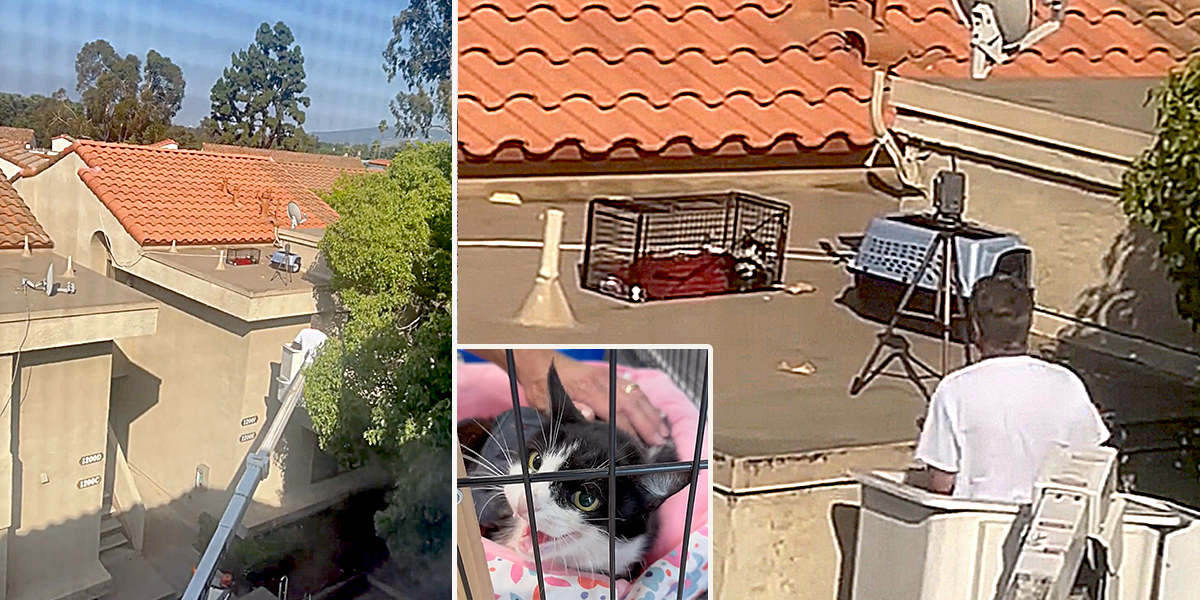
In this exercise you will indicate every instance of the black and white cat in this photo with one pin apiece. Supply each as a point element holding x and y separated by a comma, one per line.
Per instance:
<point>572,516</point>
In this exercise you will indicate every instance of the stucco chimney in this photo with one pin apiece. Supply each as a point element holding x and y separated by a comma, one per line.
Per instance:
<point>60,143</point>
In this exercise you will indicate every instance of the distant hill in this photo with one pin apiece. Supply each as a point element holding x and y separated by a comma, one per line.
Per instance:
<point>366,135</point>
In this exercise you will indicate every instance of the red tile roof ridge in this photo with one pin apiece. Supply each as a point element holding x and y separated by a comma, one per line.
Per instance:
<point>81,144</point>
<point>638,122</point>
<point>677,97</point>
<point>818,48</point>
<point>919,12</point>
<point>813,47</point>
<point>1052,55</point>
<point>784,144</point>
<point>624,13</point>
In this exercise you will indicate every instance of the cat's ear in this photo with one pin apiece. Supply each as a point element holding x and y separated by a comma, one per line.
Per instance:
<point>472,434</point>
<point>562,409</point>
<point>660,486</point>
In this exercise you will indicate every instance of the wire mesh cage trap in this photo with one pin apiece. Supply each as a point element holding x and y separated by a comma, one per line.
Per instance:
<point>473,563</point>
<point>665,247</point>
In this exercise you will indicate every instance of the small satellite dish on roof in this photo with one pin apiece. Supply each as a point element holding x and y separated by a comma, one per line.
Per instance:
<point>1000,29</point>
<point>50,280</point>
<point>296,215</point>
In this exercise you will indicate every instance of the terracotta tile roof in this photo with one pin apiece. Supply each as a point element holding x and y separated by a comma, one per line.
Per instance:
<point>317,171</point>
<point>19,134</point>
<point>17,222</point>
<point>162,195</point>
<point>15,152</point>
<point>659,78</point>
<point>572,81</point>
<point>380,162</point>
<point>1098,38</point>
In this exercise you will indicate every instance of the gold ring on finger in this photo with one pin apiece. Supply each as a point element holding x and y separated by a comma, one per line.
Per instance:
<point>629,388</point>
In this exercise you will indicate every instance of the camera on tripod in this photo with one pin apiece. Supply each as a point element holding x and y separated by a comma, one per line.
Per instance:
<point>949,197</point>
<point>915,272</point>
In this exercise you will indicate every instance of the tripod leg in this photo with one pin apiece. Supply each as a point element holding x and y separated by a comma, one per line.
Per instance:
<point>912,375</point>
<point>946,294</point>
<point>863,377</point>
<point>862,380</point>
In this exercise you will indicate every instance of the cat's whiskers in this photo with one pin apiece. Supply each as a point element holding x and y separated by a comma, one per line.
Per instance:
<point>489,501</point>
<point>484,463</point>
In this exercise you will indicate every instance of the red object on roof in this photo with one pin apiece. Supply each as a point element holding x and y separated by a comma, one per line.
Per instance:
<point>380,162</point>
<point>17,221</point>
<point>316,171</point>
<point>162,195</point>
<point>663,78</point>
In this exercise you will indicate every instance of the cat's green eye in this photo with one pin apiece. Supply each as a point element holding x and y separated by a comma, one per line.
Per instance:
<point>535,460</point>
<point>585,501</point>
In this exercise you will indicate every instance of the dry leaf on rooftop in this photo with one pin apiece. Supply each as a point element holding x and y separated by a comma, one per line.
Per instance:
<point>800,287</point>
<point>806,368</point>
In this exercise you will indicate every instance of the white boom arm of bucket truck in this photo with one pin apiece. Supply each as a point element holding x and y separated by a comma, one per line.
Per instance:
<point>1075,512</point>
<point>257,464</point>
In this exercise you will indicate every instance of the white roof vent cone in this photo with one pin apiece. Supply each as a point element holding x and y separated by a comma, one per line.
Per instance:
<point>1001,29</point>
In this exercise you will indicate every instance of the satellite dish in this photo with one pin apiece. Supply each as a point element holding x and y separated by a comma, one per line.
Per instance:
<point>50,280</point>
<point>295,214</point>
<point>1000,29</point>
<point>1014,18</point>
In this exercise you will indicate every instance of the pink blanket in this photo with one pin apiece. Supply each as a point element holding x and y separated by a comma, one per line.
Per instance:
<point>483,392</point>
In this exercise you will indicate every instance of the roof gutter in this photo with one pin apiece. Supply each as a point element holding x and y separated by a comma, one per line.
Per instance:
<point>1033,139</point>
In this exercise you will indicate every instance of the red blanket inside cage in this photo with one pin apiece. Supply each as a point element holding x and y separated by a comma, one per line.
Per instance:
<point>680,276</point>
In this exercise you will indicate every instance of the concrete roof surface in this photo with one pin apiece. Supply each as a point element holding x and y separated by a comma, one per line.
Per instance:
<point>93,292</point>
<point>759,410</point>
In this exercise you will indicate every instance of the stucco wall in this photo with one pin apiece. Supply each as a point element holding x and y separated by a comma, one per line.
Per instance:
<point>190,386</point>
<point>780,545</point>
<point>71,214</point>
<point>62,415</point>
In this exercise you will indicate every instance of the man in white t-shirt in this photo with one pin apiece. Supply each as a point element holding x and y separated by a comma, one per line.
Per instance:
<point>311,338</point>
<point>991,424</point>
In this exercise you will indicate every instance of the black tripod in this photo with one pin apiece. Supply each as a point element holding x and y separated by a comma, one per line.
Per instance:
<point>949,300</point>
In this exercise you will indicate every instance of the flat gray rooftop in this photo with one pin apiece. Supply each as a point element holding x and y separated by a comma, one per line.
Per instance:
<point>759,410</point>
<point>1119,102</point>
<point>93,293</point>
<point>251,280</point>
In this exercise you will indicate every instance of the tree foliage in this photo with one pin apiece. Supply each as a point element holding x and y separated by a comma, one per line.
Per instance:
<point>1161,190</point>
<point>382,385</point>
<point>48,116</point>
<point>122,100</point>
<point>419,52</point>
<point>259,99</point>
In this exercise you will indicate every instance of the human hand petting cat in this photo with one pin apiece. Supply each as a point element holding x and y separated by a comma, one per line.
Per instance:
<point>587,385</point>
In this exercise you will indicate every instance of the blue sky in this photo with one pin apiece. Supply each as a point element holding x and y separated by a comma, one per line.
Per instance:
<point>342,41</point>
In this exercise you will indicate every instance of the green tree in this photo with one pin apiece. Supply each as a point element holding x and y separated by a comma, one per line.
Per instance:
<point>419,52</point>
<point>259,100</point>
<point>381,386</point>
<point>48,117</point>
<point>1161,190</point>
<point>122,100</point>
